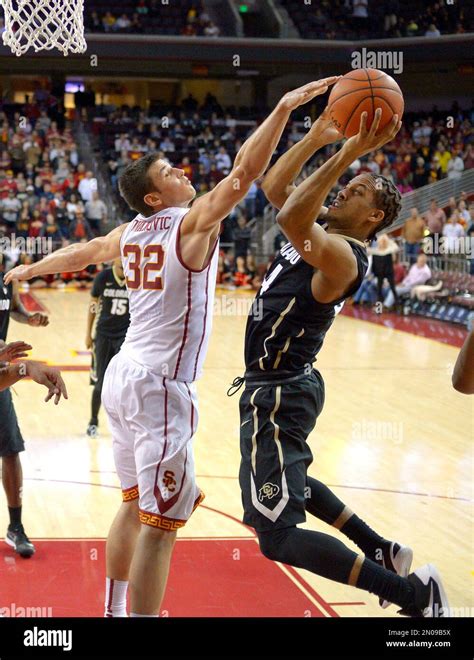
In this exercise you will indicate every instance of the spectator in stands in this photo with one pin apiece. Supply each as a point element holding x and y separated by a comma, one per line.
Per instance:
<point>419,273</point>
<point>420,173</point>
<point>79,229</point>
<point>167,145</point>
<point>51,231</point>
<point>413,233</point>
<point>87,186</point>
<point>382,263</point>
<point>432,31</point>
<point>464,215</point>
<point>122,24</point>
<point>251,201</point>
<point>122,143</point>
<point>10,208</point>
<point>435,219</point>
<point>360,14</point>
<point>96,213</point>
<point>443,156</point>
<point>108,21</point>
<point>455,166</point>
<point>241,278</point>
<point>223,161</point>
<point>242,236</point>
<point>211,30</point>
<point>452,232</point>
<point>224,272</point>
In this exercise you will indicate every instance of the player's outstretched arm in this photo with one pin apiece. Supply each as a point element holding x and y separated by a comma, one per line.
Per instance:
<point>203,220</point>
<point>50,377</point>
<point>463,374</point>
<point>278,183</point>
<point>328,252</point>
<point>72,258</point>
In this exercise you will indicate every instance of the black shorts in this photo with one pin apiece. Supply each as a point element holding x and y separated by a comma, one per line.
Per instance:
<point>11,440</point>
<point>275,421</point>
<point>104,349</point>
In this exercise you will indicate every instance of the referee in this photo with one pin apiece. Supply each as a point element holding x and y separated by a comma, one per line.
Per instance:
<point>11,440</point>
<point>107,324</point>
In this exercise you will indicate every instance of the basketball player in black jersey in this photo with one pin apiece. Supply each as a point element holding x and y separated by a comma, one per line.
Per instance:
<point>305,287</point>
<point>11,440</point>
<point>107,325</point>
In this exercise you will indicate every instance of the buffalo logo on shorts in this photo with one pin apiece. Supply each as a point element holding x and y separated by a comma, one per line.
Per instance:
<point>169,481</point>
<point>267,491</point>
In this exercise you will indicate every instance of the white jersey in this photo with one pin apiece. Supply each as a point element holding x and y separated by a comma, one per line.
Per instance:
<point>170,305</point>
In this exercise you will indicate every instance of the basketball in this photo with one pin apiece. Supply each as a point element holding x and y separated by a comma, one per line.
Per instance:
<point>364,90</point>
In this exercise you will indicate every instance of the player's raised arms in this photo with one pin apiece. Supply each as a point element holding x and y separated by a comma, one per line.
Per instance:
<point>201,225</point>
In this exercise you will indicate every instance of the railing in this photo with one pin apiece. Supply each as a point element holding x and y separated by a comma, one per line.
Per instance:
<point>441,191</point>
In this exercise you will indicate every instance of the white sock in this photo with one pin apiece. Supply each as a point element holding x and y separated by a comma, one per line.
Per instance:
<point>143,616</point>
<point>115,598</point>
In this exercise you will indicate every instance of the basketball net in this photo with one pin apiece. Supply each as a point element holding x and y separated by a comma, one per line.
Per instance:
<point>44,25</point>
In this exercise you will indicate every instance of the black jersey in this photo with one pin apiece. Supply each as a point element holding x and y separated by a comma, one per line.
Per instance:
<point>113,317</point>
<point>6,293</point>
<point>286,326</point>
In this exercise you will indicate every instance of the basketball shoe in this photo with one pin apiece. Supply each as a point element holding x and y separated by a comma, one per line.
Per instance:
<point>396,558</point>
<point>18,540</point>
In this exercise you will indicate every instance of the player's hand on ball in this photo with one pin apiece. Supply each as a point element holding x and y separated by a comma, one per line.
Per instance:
<point>368,140</point>
<point>297,97</point>
<point>14,351</point>
<point>50,377</point>
<point>18,273</point>
<point>324,131</point>
<point>38,319</point>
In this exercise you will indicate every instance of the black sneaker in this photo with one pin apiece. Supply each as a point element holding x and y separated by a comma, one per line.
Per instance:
<point>19,541</point>
<point>396,558</point>
<point>92,431</point>
<point>430,597</point>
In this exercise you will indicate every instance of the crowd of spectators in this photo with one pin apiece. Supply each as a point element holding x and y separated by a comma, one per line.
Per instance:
<point>46,192</point>
<point>355,19</point>
<point>151,17</point>
<point>401,267</point>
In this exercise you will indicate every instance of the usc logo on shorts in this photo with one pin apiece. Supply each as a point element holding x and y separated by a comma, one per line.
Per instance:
<point>169,481</point>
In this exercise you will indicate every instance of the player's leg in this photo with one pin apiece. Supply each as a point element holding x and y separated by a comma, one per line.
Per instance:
<point>11,444</point>
<point>104,351</point>
<point>164,429</point>
<point>322,503</point>
<point>149,570</point>
<point>275,457</point>
<point>123,533</point>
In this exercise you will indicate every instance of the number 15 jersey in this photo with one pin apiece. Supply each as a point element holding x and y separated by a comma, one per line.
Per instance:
<point>171,305</point>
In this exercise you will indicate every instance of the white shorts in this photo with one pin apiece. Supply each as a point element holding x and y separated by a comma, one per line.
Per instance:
<point>153,420</point>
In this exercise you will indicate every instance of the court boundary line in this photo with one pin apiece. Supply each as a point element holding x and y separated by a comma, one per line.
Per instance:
<point>369,489</point>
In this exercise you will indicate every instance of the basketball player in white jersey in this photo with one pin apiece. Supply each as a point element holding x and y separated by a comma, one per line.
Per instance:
<point>170,256</point>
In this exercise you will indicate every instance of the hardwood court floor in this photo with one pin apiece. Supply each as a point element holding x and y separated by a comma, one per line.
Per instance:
<point>394,442</point>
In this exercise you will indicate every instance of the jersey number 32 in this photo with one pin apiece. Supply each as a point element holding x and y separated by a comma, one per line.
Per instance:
<point>144,266</point>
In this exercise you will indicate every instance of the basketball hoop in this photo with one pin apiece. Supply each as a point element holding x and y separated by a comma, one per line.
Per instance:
<point>44,25</point>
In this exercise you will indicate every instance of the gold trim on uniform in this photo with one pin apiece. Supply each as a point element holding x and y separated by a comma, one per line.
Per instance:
<point>274,327</point>
<point>355,571</point>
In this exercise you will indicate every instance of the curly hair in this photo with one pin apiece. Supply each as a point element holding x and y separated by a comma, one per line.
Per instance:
<point>389,200</point>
